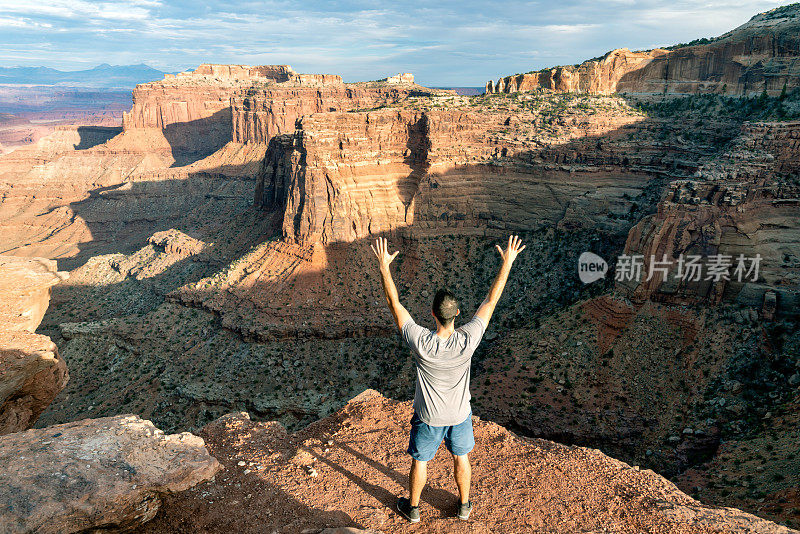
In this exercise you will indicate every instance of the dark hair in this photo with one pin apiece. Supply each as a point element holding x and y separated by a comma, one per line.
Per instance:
<point>445,306</point>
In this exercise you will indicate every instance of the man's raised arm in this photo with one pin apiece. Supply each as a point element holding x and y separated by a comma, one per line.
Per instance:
<point>486,309</point>
<point>380,249</point>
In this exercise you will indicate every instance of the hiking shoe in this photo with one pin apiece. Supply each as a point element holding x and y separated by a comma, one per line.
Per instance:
<point>406,510</point>
<point>464,509</point>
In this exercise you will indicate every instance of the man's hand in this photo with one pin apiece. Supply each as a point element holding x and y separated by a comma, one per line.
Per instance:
<point>514,248</point>
<point>486,309</point>
<point>381,251</point>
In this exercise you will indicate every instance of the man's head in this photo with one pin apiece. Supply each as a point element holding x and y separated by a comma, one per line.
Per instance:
<point>445,307</point>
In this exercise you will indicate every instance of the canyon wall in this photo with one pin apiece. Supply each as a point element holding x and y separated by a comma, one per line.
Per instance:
<point>191,110</point>
<point>763,54</point>
<point>196,95</point>
<point>31,371</point>
<point>602,76</point>
<point>278,73</point>
<point>346,176</point>
<point>198,112</point>
<point>260,113</point>
<point>343,176</point>
<point>745,203</point>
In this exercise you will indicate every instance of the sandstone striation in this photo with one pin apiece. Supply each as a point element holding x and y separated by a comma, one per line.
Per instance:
<point>345,176</point>
<point>761,55</point>
<point>347,470</point>
<point>31,372</point>
<point>105,474</point>
<point>191,111</point>
<point>736,205</point>
<point>266,110</point>
<point>199,111</point>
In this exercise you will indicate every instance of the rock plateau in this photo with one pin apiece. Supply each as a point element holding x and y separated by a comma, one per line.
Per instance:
<point>760,55</point>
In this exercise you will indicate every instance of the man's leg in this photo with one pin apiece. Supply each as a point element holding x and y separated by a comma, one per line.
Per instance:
<point>416,480</point>
<point>463,472</point>
<point>460,440</point>
<point>422,446</point>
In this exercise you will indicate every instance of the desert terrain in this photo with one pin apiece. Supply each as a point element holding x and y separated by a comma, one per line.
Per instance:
<point>211,256</point>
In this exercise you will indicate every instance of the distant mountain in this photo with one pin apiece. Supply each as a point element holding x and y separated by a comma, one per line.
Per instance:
<point>466,91</point>
<point>103,76</point>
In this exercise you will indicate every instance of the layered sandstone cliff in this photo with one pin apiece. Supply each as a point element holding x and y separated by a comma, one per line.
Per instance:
<point>197,95</point>
<point>345,176</point>
<point>520,164</point>
<point>745,204</point>
<point>31,371</point>
<point>192,109</point>
<point>761,55</point>
<point>260,113</point>
<point>199,111</point>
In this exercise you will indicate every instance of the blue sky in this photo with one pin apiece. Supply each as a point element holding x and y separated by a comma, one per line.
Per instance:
<point>442,43</point>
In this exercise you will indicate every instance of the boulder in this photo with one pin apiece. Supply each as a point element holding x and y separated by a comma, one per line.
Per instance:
<point>107,473</point>
<point>31,373</point>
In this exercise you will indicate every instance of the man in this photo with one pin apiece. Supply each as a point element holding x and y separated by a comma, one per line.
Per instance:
<point>442,360</point>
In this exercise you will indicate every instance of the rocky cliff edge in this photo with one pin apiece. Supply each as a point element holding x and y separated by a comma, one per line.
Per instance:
<point>31,372</point>
<point>346,471</point>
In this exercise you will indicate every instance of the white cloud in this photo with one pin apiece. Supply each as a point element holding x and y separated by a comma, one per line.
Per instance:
<point>80,9</point>
<point>462,43</point>
<point>21,22</point>
<point>569,28</point>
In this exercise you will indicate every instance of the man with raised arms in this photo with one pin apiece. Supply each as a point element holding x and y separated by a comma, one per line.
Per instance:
<point>442,359</point>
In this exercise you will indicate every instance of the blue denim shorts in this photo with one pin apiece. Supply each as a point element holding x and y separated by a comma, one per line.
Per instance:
<point>425,439</point>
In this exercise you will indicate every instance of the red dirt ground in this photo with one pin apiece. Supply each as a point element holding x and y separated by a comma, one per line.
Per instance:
<point>348,469</point>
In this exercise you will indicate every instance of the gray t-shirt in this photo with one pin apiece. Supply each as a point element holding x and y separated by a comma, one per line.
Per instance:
<point>443,370</point>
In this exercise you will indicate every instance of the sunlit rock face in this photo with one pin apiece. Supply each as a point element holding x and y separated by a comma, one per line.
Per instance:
<point>345,176</point>
<point>31,371</point>
<point>761,55</point>
<point>192,110</point>
<point>199,111</point>
<point>263,111</point>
